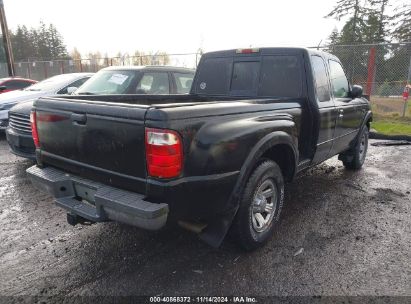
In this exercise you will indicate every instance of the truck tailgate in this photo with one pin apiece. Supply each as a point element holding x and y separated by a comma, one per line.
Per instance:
<point>101,141</point>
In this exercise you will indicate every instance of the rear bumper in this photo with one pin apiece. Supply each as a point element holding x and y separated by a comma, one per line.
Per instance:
<point>21,144</point>
<point>188,198</point>
<point>97,202</point>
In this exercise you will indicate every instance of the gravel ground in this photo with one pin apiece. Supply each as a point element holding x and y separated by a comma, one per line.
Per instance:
<point>341,233</point>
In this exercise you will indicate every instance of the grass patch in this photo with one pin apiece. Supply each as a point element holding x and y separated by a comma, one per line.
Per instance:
<point>390,127</point>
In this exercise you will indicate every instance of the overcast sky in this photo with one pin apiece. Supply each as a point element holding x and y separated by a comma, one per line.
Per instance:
<point>177,26</point>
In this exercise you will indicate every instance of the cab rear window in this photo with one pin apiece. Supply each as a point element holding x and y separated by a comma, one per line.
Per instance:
<point>280,76</point>
<point>214,76</point>
<point>264,76</point>
<point>245,76</point>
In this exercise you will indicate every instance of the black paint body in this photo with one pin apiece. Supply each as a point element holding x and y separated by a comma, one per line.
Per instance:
<point>224,137</point>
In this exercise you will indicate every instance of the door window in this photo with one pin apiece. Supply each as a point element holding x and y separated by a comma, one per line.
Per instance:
<point>17,84</point>
<point>321,79</point>
<point>338,80</point>
<point>76,84</point>
<point>183,82</point>
<point>153,83</point>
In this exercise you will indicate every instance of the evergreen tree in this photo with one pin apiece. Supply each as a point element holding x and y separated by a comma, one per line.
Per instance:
<point>56,45</point>
<point>334,37</point>
<point>356,11</point>
<point>380,16</point>
<point>402,22</point>
<point>42,43</point>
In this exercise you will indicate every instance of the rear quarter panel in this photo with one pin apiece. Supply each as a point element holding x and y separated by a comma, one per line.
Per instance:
<point>217,139</point>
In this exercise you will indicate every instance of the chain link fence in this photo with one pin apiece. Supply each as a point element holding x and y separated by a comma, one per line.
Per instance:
<point>383,70</point>
<point>42,69</point>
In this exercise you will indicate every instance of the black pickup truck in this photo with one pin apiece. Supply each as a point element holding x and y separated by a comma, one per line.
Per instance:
<point>214,160</point>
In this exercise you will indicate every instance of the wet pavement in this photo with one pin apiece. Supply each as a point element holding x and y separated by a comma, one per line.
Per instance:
<point>341,233</point>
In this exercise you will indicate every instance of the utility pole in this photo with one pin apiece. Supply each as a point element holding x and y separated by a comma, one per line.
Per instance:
<point>6,41</point>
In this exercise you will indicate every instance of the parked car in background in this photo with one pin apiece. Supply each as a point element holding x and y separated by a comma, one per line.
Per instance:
<point>16,108</point>
<point>54,85</point>
<point>14,83</point>
<point>108,81</point>
<point>139,80</point>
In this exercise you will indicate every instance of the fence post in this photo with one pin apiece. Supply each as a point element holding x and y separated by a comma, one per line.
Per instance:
<point>409,69</point>
<point>29,69</point>
<point>45,69</point>
<point>371,71</point>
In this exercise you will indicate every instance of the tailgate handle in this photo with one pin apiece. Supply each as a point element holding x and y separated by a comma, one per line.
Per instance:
<point>79,119</point>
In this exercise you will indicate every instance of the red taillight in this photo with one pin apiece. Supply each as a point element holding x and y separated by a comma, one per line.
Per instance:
<point>164,153</point>
<point>34,133</point>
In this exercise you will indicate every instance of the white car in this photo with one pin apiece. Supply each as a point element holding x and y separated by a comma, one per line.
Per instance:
<point>60,84</point>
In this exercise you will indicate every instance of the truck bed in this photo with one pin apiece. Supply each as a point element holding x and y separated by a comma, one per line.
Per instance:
<point>103,137</point>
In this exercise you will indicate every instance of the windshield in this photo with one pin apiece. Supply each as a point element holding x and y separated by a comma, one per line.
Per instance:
<point>110,82</point>
<point>52,83</point>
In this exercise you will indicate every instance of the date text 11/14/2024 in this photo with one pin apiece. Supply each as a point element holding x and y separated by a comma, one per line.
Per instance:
<point>203,299</point>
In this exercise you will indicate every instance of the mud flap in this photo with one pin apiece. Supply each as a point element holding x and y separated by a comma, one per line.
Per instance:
<point>217,229</point>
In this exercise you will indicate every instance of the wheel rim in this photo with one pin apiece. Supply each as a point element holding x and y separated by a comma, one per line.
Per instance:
<point>264,205</point>
<point>363,146</point>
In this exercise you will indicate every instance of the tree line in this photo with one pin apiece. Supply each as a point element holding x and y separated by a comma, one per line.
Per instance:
<point>41,43</point>
<point>45,42</point>
<point>369,22</point>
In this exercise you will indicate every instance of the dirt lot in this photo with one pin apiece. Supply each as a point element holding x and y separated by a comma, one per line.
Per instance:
<point>352,231</point>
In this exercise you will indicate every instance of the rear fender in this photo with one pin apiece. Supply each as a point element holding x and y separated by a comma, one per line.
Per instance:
<point>215,232</point>
<point>367,118</point>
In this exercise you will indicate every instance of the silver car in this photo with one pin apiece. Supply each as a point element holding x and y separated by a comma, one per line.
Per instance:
<point>60,84</point>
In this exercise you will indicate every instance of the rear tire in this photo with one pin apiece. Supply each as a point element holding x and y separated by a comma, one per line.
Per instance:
<point>260,206</point>
<point>355,158</point>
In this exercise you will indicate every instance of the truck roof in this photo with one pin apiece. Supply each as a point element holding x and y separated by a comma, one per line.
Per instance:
<point>151,67</point>
<point>268,51</point>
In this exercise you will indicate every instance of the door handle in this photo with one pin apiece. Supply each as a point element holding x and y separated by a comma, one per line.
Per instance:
<point>341,115</point>
<point>79,119</point>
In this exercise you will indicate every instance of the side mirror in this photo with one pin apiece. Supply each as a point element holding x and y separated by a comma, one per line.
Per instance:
<point>71,90</point>
<point>2,88</point>
<point>356,91</point>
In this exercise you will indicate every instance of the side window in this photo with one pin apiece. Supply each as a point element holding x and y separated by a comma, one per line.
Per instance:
<point>16,84</point>
<point>153,83</point>
<point>245,76</point>
<point>280,76</point>
<point>338,80</point>
<point>78,83</point>
<point>321,79</point>
<point>183,82</point>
